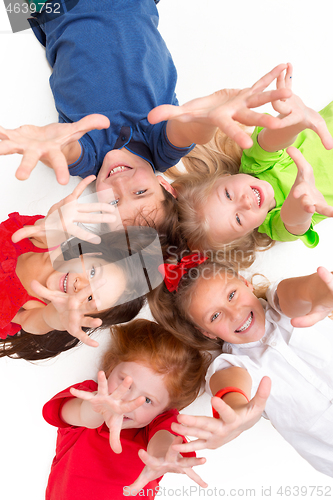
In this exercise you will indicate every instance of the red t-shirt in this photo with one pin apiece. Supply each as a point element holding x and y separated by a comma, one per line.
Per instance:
<point>85,467</point>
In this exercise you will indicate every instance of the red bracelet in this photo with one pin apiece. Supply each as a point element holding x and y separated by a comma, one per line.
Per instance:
<point>223,392</point>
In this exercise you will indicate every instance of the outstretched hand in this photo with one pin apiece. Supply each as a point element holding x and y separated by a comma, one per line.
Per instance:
<point>225,108</point>
<point>72,309</point>
<point>323,304</point>
<point>212,433</point>
<point>60,221</point>
<point>47,143</point>
<point>294,111</point>
<point>112,407</point>
<point>171,462</point>
<point>307,197</point>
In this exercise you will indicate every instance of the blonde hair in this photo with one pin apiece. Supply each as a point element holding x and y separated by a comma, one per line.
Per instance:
<point>204,166</point>
<point>148,343</point>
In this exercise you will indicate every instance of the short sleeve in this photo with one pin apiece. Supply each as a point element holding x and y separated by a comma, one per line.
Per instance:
<point>165,154</point>
<point>163,423</point>
<point>87,163</point>
<point>52,409</point>
<point>274,227</point>
<point>220,363</point>
<point>256,160</point>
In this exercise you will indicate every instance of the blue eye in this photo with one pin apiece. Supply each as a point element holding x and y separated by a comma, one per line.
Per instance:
<point>231,295</point>
<point>238,220</point>
<point>114,202</point>
<point>141,191</point>
<point>213,318</point>
<point>148,401</point>
<point>92,272</point>
<point>227,194</point>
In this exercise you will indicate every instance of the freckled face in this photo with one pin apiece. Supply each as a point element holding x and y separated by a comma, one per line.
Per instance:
<point>237,205</point>
<point>226,308</point>
<point>145,382</point>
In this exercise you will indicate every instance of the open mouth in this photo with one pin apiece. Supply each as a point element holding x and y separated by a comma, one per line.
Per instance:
<point>246,325</point>
<point>257,196</point>
<point>118,169</point>
<point>63,283</point>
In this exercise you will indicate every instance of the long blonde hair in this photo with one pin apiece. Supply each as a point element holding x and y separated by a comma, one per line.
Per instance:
<point>204,165</point>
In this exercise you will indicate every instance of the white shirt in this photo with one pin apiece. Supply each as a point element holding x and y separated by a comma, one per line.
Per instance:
<point>299,362</point>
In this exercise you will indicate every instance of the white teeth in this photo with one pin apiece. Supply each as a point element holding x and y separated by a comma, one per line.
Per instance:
<point>117,169</point>
<point>65,283</point>
<point>246,324</point>
<point>257,193</point>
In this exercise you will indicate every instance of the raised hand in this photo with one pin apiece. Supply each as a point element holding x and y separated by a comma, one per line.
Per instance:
<point>225,108</point>
<point>171,462</point>
<point>60,222</point>
<point>304,198</point>
<point>323,300</point>
<point>47,144</point>
<point>71,310</point>
<point>212,433</point>
<point>111,406</point>
<point>295,112</point>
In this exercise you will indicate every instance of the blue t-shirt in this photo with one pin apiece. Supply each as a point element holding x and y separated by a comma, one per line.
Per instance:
<point>108,57</point>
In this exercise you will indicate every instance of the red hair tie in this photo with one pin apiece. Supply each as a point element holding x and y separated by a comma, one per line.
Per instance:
<point>174,272</point>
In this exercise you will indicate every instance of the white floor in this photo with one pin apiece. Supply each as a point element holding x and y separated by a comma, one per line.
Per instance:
<point>215,44</point>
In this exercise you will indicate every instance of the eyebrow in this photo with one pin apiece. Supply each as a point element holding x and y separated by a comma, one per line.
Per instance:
<point>154,398</point>
<point>137,197</point>
<point>212,309</point>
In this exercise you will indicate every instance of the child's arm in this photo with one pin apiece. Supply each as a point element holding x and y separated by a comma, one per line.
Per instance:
<point>161,458</point>
<point>197,120</point>
<point>296,117</point>
<point>64,313</point>
<point>56,144</point>
<point>60,221</point>
<point>236,412</point>
<point>304,198</point>
<point>307,299</point>
<point>94,408</point>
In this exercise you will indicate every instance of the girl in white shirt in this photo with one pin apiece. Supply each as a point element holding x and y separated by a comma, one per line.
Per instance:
<point>211,301</point>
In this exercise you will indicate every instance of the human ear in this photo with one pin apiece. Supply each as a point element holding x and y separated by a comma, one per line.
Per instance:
<point>247,283</point>
<point>207,334</point>
<point>168,187</point>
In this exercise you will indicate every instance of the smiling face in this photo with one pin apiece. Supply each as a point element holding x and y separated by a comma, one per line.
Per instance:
<point>133,185</point>
<point>225,307</point>
<point>237,205</point>
<point>145,382</point>
<point>70,278</point>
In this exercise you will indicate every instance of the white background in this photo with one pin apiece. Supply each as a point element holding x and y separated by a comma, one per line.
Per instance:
<point>215,44</point>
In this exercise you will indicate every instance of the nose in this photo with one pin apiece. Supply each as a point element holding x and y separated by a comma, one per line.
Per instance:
<point>234,313</point>
<point>80,282</point>
<point>245,202</point>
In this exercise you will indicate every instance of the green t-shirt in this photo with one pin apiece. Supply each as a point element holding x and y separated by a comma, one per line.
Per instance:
<point>280,171</point>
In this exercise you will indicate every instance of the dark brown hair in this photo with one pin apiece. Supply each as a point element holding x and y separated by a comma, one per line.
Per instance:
<point>115,247</point>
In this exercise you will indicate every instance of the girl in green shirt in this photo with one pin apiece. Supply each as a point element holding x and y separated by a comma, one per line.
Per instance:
<point>276,194</point>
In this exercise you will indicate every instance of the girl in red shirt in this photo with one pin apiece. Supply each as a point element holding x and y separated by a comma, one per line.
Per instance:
<point>115,436</point>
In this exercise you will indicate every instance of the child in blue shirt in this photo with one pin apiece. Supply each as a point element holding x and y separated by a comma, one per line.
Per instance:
<point>109,58</point>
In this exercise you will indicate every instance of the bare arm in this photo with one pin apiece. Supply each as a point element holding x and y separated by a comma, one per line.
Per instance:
<point>304,198</point>
<point>236,413</point>
<point>307,299</point>
<point>197,120</point>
